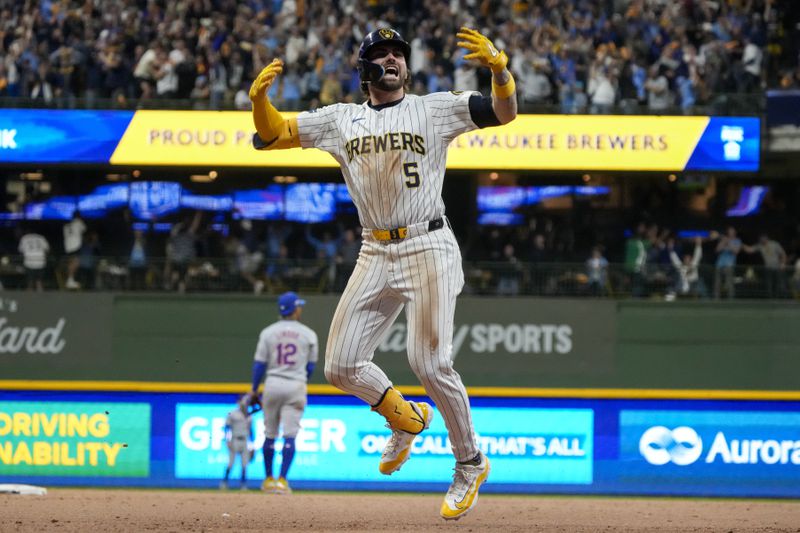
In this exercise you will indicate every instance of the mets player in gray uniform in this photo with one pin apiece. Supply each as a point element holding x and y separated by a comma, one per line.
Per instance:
<point>238,432</point>
<point>287,352</point>
<point>392,150</point>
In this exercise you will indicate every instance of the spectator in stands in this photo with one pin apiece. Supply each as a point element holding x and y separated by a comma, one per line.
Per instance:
<point>509,273</point>
<point>601,89</point>
<point>536,86</point>
<point>659,98</point>
<point>115,40</point>
<point>346,257</point>
<point>540,257</point>
<point>325,251</point>
<point>750,75</point>
<point>137,262</point>
<point>217,81</point>
<point>146,71</point>
<point>73,242</point>
<point>166,77</point>
<point>200,94</point>
<point>34,249</point>
<point>43,85</point>
<point>439,80</point>
<point>331,91</point>
<point>635,259</point>
<point>87,260</point>
<point>597,272</point>
<point>465,77</point>
<point>727,249</point>
<point>688,281</point>
<point>774,257</point>
<point>181,251</point>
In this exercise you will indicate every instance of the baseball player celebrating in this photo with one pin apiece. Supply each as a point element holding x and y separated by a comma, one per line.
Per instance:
<point>286,352</point>
<point>238,432</point>
<point>392,150</point>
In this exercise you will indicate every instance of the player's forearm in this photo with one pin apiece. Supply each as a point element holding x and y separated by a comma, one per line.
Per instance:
<point>504,96</point>
<point>275,131</point>
<point>259,369</point>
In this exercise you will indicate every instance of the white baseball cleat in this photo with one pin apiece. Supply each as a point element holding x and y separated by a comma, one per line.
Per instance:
<point>282,486</point>
<point>463,493</point>
<point>398,448</point>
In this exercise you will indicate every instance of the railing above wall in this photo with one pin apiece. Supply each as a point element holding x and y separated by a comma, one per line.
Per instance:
<point>483,278</point>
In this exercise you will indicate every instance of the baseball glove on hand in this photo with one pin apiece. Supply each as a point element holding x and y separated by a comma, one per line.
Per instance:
<point>253,403</point>
<point>262,83</point>
<point>482,50</point>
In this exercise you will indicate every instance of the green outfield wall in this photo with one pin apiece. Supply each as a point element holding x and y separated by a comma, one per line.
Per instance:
<point>498,342</point>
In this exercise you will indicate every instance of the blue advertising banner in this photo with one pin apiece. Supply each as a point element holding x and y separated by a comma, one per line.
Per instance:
<point>60,136</point>
<point>344,443</point>
<point>731,144</point>
<point>536,445</point>
<point>682,450</point>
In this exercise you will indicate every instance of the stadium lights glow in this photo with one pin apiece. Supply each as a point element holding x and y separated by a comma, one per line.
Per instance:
<point>204,178</point>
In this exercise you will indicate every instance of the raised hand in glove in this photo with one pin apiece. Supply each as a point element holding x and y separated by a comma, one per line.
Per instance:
<point>262,83</point>
<point>482,50</point>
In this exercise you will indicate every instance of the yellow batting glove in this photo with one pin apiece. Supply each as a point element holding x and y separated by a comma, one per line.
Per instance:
<point>262,83</point>
<point>482,50</point>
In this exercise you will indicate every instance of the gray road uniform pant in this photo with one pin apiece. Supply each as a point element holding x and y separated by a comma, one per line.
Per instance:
<point>284,403</point>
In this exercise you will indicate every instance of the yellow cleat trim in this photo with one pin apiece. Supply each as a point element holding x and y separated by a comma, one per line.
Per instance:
<point>470,498</point>
<point>389,467</point>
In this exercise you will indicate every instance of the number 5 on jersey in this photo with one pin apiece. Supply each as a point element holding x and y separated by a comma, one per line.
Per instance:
<point>412,175</point>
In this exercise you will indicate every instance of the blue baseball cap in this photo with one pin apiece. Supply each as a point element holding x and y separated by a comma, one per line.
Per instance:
<point>288,302</point>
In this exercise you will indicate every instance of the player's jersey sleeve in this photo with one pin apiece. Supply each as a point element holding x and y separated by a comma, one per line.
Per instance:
<point>318,128</point>
<point>313,346</point>
<point>262,347</point>
<point>450,113</point>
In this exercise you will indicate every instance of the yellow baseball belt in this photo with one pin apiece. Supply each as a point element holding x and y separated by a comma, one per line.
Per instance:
<point>398,234</point>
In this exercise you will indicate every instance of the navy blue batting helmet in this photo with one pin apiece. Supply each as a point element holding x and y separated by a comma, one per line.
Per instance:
<point>369,71</point>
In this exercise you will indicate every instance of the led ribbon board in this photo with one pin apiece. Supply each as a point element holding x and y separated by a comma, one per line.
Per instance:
<point>531,142</point>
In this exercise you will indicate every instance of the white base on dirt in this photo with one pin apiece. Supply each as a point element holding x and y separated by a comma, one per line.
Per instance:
<point>12,488</point>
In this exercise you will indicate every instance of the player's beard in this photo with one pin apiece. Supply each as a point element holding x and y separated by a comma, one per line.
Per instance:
<point>389,86</point>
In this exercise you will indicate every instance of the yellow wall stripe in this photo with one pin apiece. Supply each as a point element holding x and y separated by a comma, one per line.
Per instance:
<point>495,392</point>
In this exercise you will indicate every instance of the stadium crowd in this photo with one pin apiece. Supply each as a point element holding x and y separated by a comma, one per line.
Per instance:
<point>547,256</point>
<point>582,55</point>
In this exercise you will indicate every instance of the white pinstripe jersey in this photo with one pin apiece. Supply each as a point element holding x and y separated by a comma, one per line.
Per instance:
<point>286,347</point>
<point>393,158</point>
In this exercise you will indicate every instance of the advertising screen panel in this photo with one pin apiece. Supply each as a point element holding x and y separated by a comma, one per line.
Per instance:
<point>530,142</point>
<point>74,439</point>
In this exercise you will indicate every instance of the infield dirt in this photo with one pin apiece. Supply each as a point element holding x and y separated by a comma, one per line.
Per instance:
<point>101,510</point>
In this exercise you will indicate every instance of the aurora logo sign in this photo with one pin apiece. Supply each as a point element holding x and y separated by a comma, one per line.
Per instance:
<point>718,441</point>
<point>683,446</point>
<point>660,445</point>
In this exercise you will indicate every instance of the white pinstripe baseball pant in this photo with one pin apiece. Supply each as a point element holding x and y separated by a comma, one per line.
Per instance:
<point>423,273</point>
